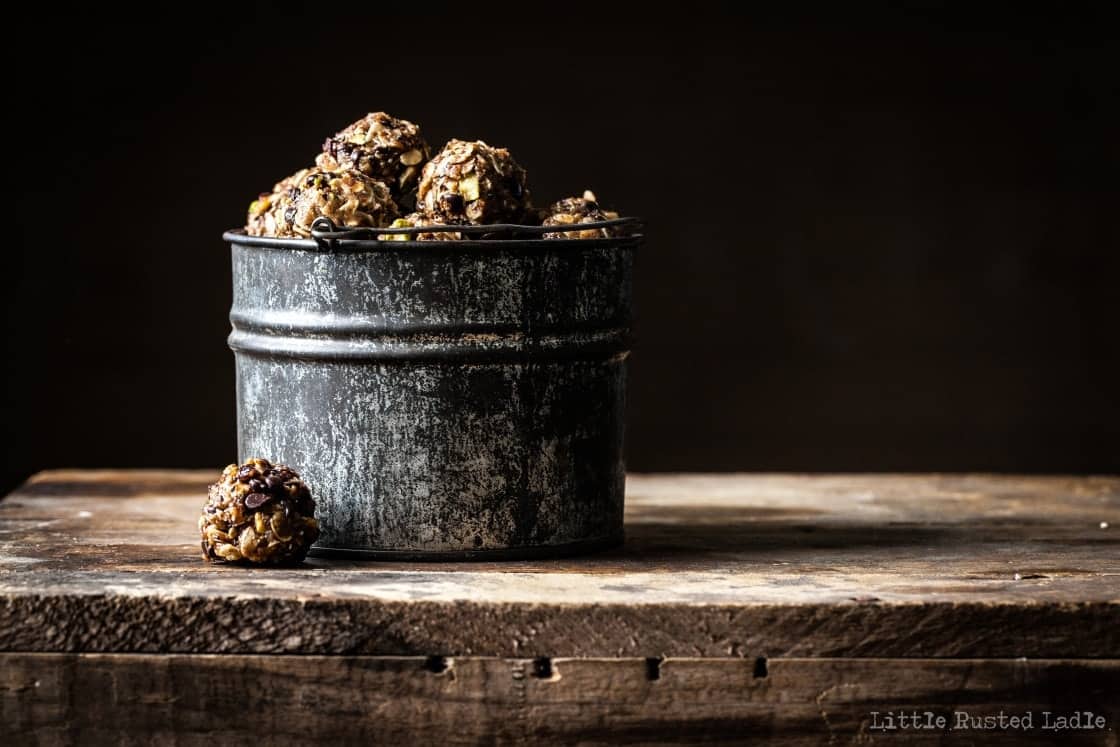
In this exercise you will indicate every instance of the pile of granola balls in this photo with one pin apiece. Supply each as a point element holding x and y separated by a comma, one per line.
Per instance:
<point>379,172</point>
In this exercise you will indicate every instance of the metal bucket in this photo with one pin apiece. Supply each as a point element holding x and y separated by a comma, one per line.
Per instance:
<point>444,400</point>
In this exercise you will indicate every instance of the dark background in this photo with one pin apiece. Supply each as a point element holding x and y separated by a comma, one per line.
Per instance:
<point>876,243</point>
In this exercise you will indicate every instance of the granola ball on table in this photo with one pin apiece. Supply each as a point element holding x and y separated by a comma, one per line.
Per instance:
<point>258,512</point>
<point>576,210</point>
<point>473,183</point>
<point>349,198</point>
<point>416,220</point>
<point>380,146</point>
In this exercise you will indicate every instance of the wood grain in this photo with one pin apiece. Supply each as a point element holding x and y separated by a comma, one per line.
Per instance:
<point>713,566</point>
<point>59,699</point>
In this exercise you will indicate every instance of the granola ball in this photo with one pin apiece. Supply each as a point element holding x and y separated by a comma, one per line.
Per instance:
<point>380,146</point>
<point>350,199</point>
<point>266,213</point>
<point>575,210</point>
<point>258,512</point>
<point>416,220</point>
<point>473,183</point>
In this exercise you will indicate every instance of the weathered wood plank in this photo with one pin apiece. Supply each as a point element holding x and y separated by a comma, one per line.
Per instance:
<point>191,699</point>
<point>115,622</point>
<point>735,565</point>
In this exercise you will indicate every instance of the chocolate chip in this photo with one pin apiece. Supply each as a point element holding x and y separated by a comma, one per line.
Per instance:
<point>256,485</point>
<point>453,203</point>
<point>305,502</point>
<point>256,500</point>
<point>272,482</point>
<point>246,473</point>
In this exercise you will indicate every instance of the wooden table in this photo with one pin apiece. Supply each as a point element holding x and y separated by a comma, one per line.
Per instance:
<point>793,607</point>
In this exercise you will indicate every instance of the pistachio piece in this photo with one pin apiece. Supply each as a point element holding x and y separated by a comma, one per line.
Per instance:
<point>398,223</point>
<point>468,188</point>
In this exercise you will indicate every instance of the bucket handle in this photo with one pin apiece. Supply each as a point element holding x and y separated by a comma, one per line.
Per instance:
<point>327,234</point>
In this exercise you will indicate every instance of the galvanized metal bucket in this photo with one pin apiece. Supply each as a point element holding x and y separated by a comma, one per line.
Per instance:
<point>444,400</point>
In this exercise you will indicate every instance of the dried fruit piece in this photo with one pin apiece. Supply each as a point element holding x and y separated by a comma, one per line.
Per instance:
<point>472,182</point>
<point>273,523</point>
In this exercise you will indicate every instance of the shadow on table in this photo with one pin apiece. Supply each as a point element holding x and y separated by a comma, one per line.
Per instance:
<point>764,534</point>
<point>711,538</point>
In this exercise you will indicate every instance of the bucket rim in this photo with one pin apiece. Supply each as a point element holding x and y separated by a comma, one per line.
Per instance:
<point>355,246</point>
<point>326,238</point>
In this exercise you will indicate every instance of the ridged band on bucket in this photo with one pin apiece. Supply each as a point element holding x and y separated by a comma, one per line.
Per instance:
<point>444,400</point>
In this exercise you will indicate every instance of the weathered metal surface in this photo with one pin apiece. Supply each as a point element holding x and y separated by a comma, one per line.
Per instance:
<point>450,400</point>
